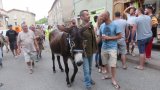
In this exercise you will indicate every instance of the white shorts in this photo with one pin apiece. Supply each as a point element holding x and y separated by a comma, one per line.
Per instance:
<point>29,56</point>
<point>109,57</point>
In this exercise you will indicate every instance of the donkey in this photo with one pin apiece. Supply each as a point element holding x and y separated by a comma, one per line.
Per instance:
<point>69,45</point>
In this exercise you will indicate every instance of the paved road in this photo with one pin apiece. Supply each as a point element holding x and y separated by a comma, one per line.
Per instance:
<point>15,76</point>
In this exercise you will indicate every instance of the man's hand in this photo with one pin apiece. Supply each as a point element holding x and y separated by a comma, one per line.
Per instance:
<point>104,37</point>
<point>88,25</point>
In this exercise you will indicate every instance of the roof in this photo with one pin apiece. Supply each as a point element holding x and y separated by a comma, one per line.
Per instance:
<point>3,12</point>
<point>21,11</point>
<point>53,5</point>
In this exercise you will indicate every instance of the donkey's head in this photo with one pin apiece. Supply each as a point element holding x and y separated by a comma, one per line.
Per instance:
<point>77,45</point>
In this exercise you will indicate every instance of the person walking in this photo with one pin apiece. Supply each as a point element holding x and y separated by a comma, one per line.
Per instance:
<point>99,43</point>
<point>12,40</point>
<point>122,24</point>
<point>87,31</point>
<point>47,32</point>
<point>144,35</point>
<point>110,34</point>
<point>27,40</point>
<point>149,12</point>
<point>2,43</point>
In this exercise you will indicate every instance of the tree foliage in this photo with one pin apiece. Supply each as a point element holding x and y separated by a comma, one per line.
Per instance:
<point>42,21</point>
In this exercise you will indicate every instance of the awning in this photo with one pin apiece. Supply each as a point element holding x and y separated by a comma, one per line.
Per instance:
<point>149,2</point>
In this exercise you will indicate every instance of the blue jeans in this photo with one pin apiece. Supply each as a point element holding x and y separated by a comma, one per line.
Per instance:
<point>0,56</point>
<point>97,57</point>
<point>87,67</point>
<point>142,44</point>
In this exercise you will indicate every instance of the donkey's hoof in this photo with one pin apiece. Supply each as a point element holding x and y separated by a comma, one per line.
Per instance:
<point>79,63</point>
<point>69,85</point>
<point>54,71</point>
<point>72,80</point>
<point>62,70</point>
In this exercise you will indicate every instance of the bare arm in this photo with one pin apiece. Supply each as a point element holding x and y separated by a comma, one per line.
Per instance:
<point>118,36</point>
<point>36,44</point>
<point>126,10</point>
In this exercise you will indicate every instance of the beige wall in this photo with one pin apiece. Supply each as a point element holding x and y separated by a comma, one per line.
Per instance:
<point>19,17</point>
<point>3,23</point>
<point>60,12</point>
<point>3,15</point>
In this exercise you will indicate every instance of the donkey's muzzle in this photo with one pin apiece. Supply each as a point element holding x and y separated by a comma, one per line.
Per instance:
<point>79,63</point>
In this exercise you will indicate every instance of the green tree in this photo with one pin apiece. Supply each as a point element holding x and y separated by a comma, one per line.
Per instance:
<point>42,21</point>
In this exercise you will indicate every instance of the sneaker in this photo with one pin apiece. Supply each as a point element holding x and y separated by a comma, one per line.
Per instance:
<point>100,70</point>
<point>128,53</point>
<point>93,82</point>
<point>16,57</point>
<point>104,71</point>
<point>133,54</point>
<point>88,88</point>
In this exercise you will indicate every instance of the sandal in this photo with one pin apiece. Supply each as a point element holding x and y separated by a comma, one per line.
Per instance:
<point>116,86</point>
<point>139,68</point>
<point>106,77</point>
<point>125,67</point>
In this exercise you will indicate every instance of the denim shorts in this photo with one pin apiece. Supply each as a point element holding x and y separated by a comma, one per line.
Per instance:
<point>122,47</point>
<point>142,44</point>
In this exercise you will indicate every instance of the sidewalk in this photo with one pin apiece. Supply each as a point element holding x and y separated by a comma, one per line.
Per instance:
<point>153,63</point>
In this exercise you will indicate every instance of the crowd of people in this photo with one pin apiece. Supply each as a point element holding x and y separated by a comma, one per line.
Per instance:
<point>108,39</point>
<point>114,39</point>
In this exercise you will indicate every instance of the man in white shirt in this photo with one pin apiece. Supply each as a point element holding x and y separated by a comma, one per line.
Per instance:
<point>27,40</point>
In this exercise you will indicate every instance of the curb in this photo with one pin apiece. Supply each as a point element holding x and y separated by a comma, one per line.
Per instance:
<point>135,60</point>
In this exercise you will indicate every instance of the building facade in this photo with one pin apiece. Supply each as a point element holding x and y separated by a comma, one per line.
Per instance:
<point>94,7</point>
<point>61,12</point>
<point>1,4</point>
<point>3,17</point>
<point>17,17</point>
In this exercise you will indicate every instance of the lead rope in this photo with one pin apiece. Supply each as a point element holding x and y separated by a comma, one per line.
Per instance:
<point>71,44</point>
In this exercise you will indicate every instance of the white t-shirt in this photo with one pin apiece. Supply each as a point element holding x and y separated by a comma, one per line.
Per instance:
<point>131,19</point>
<point>96,29</point>
<point>26,40</point>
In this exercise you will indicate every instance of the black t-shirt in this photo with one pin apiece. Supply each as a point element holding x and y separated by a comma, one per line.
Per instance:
<point>12,35</point>
<point>154,29</point>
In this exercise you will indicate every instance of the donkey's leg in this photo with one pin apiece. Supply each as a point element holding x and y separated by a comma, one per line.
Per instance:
<point>37,56</point>
<point>59,63</point>
<point>75,71</point>
<point>53,59</point>
<point>40,53</point>
<point>67,71</point>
